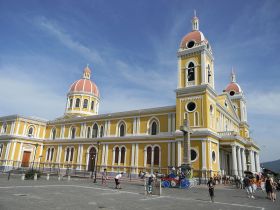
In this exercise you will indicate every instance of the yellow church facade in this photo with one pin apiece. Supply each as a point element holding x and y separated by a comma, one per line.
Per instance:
<point>141,140</point>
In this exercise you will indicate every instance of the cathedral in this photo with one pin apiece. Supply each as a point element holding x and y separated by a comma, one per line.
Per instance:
<point>145,139</point>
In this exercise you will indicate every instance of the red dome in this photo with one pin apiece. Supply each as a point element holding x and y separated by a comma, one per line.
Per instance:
<point>84,86</point>
<point>196,36</point>
<point>233,87</point>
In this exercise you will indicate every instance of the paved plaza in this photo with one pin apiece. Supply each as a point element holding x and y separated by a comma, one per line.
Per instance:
<point>77,194</point>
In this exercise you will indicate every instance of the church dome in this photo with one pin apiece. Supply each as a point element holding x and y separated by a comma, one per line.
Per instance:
<point>84,85</point>
<point>233,87</point>
<point>195,36</point>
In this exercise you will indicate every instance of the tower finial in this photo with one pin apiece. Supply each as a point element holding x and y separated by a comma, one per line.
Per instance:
<point>87,72</point>
<point>233,77</point>
<point>195,22</point>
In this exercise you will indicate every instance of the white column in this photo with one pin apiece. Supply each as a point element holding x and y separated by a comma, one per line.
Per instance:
<point>258,163</point>
<point>173,153</point>
<point>136,158</point>
<point>169,154</point>
<point>203,64</point>
<point>234,162</point>
<point>7,151</point>
<point>244,161</point>
<point>252,158</point>
<point>12,128</point>
<point>106,155</point>
<point>132,157</point>
<point>152,161</point>
<point>203,148</point>
<point>239,161</point>
<point>218,158</point>
<point>20,151</point>
<point>179,155</point>
<point>79,157</point>
<point>13,150</point>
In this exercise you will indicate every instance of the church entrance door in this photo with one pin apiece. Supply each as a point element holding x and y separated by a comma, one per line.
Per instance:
<point>91,159</point>
<point>25,159</point>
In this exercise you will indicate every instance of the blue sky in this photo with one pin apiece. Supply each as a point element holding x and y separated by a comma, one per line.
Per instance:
<point>131,47</point>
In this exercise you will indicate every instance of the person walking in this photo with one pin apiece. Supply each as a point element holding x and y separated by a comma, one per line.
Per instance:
<point>117,180</point>
<point>268,188</point>
<point>273,194</point>
<point>104,177</point>
<point>211,185</point>
<point>248,186</point>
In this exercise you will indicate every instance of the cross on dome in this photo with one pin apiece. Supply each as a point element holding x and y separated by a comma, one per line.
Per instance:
<point>87,72</point>
<point>195,22</point>
<point>233,76</point>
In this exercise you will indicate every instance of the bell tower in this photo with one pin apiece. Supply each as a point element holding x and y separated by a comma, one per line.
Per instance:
<point>195,79</point>
<point>195,59</point>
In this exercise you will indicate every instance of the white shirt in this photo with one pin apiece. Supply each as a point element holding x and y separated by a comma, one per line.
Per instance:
<point>118,176</point>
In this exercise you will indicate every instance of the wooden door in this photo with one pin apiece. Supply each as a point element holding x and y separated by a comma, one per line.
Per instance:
<point>25,159</point>
<point>91,160</point>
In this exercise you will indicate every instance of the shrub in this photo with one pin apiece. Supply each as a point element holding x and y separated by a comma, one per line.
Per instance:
<point>29,174</point>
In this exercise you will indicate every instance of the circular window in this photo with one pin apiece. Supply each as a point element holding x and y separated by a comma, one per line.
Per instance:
<point>193,154</point>
<point>190,44</point>
<point>191,106</point>
<point>213,156</point>
<point>231,93</point>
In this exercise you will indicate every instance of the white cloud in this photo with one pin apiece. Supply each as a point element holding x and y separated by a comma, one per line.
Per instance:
<point>26,95</point>
<point>264,103</point>
<point>68,41</point>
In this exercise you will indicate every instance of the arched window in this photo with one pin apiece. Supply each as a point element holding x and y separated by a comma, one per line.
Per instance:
<point>1,150</point>
<point>85,104</point>
<point>95,131</point>
<point>149,155</point>
<point>122,155</point>
<point>92,105</point>
<point>73,133</point>
<point>30,132</point>
<point>122,129</point>
<point>191,75</point>
<point>72,154</point>
<point>154,128</point>
<point>156,156</point>
<point>88,132</point>
<point>48,154</point>
<point>77,105</point>
<point>53,133</point>
<point>101,131</point>
<point>71,103</point>
<point>117,150</point>
<point>209,73</point>
<point>52,151</point>
<point>67,154</point>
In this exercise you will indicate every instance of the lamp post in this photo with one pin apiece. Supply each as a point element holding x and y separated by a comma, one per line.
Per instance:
<point>186,165</point>
<point>36,145</point>
<point>95,171</point>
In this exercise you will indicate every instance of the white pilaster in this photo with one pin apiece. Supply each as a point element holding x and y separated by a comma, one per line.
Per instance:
<point>210,157</point>
<point>239,161</point>
<point>203,148</point>
<point>252,158</point>
<point>244,162</point>
<point>203,67</point>
<point>136,157</point>
<point>13,150</point>
<point>173,153</point>
<point>20,151</point>
<point>132,155</point>
<point>7,151</point>
<point>234,162</point>
<point>106,155</point>
<point>169,155</point>
<point>179,151</point>
<point>258,163</point>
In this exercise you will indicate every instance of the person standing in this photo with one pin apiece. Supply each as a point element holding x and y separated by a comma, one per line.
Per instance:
<point>274,186</point>
<point>268,188</point>
<point>117,180</point>
<point>211,185</point>
<point>104,177</point>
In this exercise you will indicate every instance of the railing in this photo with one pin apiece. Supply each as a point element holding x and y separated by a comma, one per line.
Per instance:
<point>227,133</point>
<point>190,83</point>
